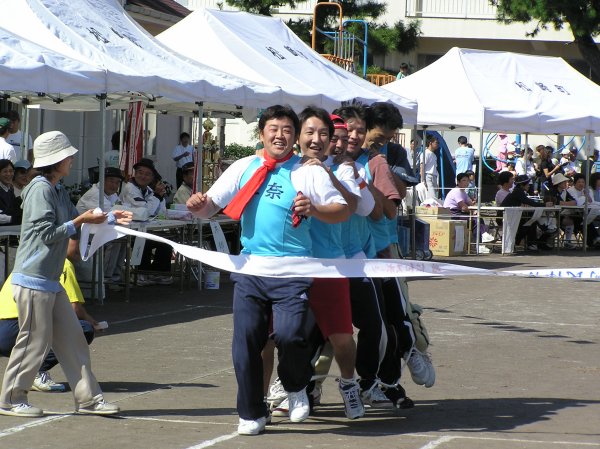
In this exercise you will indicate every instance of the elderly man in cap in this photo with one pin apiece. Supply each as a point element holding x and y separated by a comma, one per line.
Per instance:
<point>114,252</point>
<point>184,192</point>
<point>6,149</point>
<point>21,176</point>
<point>139,197</point>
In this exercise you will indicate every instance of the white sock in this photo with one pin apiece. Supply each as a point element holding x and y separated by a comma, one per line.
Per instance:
<point>346,381</point>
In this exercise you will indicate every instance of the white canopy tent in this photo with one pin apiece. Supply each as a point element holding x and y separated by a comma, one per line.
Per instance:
<point>27,66</point>
<point>101,34</point>
<point>264,50</point>
<point>501,91</point>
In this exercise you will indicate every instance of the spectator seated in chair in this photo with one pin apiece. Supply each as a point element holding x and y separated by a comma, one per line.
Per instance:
<point>144,201</point>
<point>458,202</point>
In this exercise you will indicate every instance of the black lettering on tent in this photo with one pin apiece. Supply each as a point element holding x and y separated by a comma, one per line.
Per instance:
<point>98,35</point>
<point>275,53</point>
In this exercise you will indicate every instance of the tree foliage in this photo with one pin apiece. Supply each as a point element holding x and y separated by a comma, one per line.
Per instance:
<point>582,17</point>
<point>262,7</point>
<point>401,36</point>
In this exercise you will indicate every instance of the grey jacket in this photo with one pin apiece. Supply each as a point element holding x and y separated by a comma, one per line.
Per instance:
<point>46,228</point>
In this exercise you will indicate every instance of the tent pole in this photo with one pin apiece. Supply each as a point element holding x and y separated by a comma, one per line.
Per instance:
<point>524,153</point>
<point>585,166</point>
<point>199,186</point>
<point>121,128</point>
<point>102,165</point>
<point>25,130</point>
<point>479,186</point>
<point>413,217</point>
<point>199,161</point>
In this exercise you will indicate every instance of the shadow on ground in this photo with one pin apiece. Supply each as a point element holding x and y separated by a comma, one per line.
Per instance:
<point>465,415</point>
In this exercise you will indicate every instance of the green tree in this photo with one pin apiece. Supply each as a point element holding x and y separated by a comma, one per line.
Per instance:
<point>582,16</point>
<point>262,7</point>
<point>401,36</point>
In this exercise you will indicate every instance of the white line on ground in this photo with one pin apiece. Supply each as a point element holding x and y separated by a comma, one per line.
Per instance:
<point>179,421</point>
<point>29,425</point>
<point>40,422</point>
<point>435,443</point>
<point>214,441</point>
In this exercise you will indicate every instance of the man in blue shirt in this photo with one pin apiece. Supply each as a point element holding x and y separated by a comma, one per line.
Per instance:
<point>463,156</point>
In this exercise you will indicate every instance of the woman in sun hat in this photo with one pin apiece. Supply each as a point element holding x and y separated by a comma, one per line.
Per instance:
<point>46,318</point>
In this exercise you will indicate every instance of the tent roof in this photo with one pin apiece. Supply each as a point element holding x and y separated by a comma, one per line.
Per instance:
<point>102,35</point>
<point>501,91</point>
<point>27,66</point>
<point>264,50</point>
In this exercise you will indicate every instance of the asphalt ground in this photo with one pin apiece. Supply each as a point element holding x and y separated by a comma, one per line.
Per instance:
<point>517,361</point>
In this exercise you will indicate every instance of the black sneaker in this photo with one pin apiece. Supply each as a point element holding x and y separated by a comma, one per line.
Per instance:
<point>398,397</point>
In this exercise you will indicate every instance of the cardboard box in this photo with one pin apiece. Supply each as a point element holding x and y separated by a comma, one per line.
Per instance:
<point>448,237</point>
<point>439,212</point>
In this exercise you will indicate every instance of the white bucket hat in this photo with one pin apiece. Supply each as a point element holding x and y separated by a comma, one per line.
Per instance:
<point>557,178</point>
<point>50,148</point>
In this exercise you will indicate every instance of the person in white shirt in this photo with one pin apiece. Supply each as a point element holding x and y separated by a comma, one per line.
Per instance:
<point>182,154</point>
<point>429,170</point>
<point>144,202</point>
<point>526,166</point>
<point>567,163</point>
<point>15,136</point>
<point>6,149</point>
<point>114,252</point>
<point>185,189</point>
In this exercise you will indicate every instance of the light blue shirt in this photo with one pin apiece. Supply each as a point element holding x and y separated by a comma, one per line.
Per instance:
<point>464,159</point>
<point>267,219</point>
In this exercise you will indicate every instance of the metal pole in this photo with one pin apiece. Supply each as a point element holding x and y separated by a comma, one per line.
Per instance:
<point>25,130</point>
<point>589,151</point>
<point>199,185</point>
<point>479,188</point>
<point>102,166</point>
<point>524,154</point>
<point>413,216</point>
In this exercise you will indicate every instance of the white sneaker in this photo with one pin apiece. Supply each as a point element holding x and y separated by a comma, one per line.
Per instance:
<point>299,407</point>
<point>99,408</point>
<point>283,409</point>
<point>484,249</point>
<point>374,397</point>
<point>277,394</point>
<point>43,382</point>
<point>23,410</point>
<point>421,368</point>
<point>486,237</point>
<point>532,247</point>
<point>251,426</point>
<point>353,405</point>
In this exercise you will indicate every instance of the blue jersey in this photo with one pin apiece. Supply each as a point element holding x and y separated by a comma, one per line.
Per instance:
<point>464,159</point>
<point>267,219</point>
<point>379,228</point>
